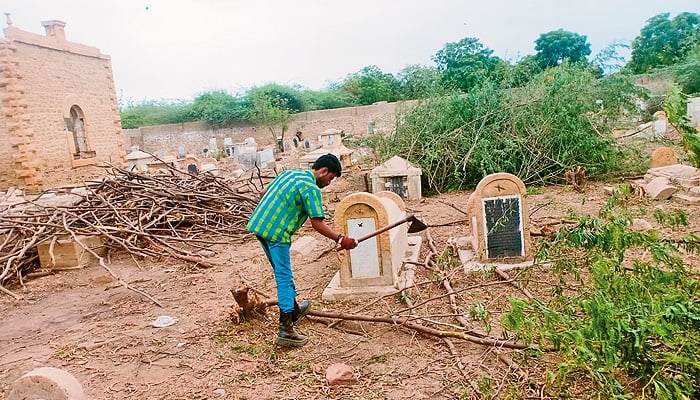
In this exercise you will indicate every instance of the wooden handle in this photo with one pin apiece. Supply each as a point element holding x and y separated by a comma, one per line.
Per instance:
<point>384,229</point>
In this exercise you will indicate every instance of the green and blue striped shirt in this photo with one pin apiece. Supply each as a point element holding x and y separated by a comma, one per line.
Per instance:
<point>290,198</point>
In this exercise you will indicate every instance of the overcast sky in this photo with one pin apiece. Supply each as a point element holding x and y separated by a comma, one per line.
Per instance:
<point>176,49</point>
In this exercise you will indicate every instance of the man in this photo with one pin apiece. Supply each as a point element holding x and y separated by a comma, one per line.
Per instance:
<point>287,201</point>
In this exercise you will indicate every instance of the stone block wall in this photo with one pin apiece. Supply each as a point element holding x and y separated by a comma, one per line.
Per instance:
<point>42,79</point>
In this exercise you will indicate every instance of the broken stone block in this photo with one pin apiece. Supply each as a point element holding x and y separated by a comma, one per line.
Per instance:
<point>66,252</point>
<point>47,383</point>
<point>660,189</point>
<point>340,374</point>
<point>303,246</point>
<point>640,225</point>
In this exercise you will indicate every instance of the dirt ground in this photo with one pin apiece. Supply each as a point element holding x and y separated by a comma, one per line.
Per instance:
<point>85,323</point>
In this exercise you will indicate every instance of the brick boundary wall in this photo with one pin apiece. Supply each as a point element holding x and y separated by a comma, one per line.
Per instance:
<point>194,136</point>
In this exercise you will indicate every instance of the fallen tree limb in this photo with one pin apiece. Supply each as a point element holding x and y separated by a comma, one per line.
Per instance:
<point>257,303</point>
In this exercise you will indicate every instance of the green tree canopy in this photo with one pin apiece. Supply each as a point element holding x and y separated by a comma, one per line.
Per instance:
<point>370,85</point>
<point>556,46</point>
<point>419,82</point>
<point>663,42</point>
<point>269,108</point>
<point>465,63</point>
<point>218,107</point>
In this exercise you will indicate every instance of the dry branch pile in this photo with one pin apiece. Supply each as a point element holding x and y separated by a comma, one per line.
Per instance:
<point>175,215</point>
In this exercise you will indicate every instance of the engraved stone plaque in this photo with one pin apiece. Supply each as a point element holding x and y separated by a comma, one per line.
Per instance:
<point>364,259</point>
<point>503,219</point>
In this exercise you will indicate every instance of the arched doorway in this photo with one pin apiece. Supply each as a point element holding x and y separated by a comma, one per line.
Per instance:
<point>76,124</point>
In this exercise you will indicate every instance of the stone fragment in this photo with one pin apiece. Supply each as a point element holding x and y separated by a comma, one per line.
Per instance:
<point>47,383</point>
<point>640,225</point>
<point>340,374</point>
<point>660,189</point>
<point>303,246</point>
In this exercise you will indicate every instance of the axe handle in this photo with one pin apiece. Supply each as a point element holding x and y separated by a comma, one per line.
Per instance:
<point>384,229</point>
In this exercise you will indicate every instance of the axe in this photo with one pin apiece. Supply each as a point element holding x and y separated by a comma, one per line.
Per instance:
<point>415,226</point>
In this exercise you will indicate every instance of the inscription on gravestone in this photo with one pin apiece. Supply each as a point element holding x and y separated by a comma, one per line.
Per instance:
<point>503,220</point>
<point>364,259</point>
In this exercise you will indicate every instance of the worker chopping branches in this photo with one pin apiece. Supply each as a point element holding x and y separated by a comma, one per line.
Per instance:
<point>287,202</point>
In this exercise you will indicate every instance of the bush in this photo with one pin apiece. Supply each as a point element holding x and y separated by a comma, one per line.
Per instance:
<point>536,132</point>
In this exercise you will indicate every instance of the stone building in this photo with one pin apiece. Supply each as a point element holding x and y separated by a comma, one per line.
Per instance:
<point>59,116</point>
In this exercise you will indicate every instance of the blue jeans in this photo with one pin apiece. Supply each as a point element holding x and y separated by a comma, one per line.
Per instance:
<point>278,255</point>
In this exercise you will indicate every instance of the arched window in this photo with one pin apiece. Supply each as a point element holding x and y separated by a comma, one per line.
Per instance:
<point>76,124</point>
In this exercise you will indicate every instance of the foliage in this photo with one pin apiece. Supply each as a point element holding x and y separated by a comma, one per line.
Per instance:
<point>465,64</point>
<point>634,328</point>
<point>619,97</point>
<point>536,132</point>
<point>371,85</point>
<point>289,96</point>
<point>687,72</point>
<point>609,59</point>
<point>420,82</point>
<point>663,42</point>
<point>269,109</point>
<point>155,113</point>
<point>556,46</point>
<point>333,97</point>
<point>218,107</point>
<point>519,74</point>
<point>675,106</point>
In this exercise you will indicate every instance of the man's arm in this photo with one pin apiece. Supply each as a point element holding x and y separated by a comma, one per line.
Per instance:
<point>321,227</point>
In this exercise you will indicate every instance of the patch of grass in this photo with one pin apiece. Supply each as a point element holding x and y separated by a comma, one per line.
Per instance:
<point>671,218</point>
<point>533,190</point>
<point>378,359</point>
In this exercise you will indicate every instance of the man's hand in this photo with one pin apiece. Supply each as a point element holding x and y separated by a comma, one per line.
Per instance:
<point>348,243</point>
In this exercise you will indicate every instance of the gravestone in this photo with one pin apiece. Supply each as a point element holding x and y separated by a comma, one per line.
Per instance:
<point>500,223</point>
<point>191,164</point>
<point>660,124</point>
<point>265,157</point>
<point>399,176</point>
<point>376,266</point>
<point>181,151</point>
<point>663,156</point>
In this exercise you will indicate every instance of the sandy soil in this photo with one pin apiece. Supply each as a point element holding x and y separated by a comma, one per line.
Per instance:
<point>85,323</point>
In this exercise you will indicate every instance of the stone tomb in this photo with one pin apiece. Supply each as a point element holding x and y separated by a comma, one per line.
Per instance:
<point>678,181</point>
<point>399,176</point>
<point>64,252</point>
<point>331,142</point>
<point>500,223</point>
<point>376,267</point>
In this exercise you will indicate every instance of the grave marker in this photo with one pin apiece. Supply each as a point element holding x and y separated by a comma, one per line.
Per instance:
<point>375,266</point>
<point>500,223</point>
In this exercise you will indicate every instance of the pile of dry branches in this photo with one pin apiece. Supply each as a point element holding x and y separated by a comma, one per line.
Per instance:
<point>174,214</point>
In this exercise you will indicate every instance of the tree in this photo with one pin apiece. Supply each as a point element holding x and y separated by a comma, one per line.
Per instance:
<point>149,113</point>
<point>293,99</point>
<point>556,46</point>
<point>419,82</point>
<point>521,73</point>
<point>217,107</point>
<point>465,63</point>
<point>370,85</point>
<point>609,59</point>
<point>663,42</point>
<point>269,108</point>
<point>688,72</point>
<point>333,97</point>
